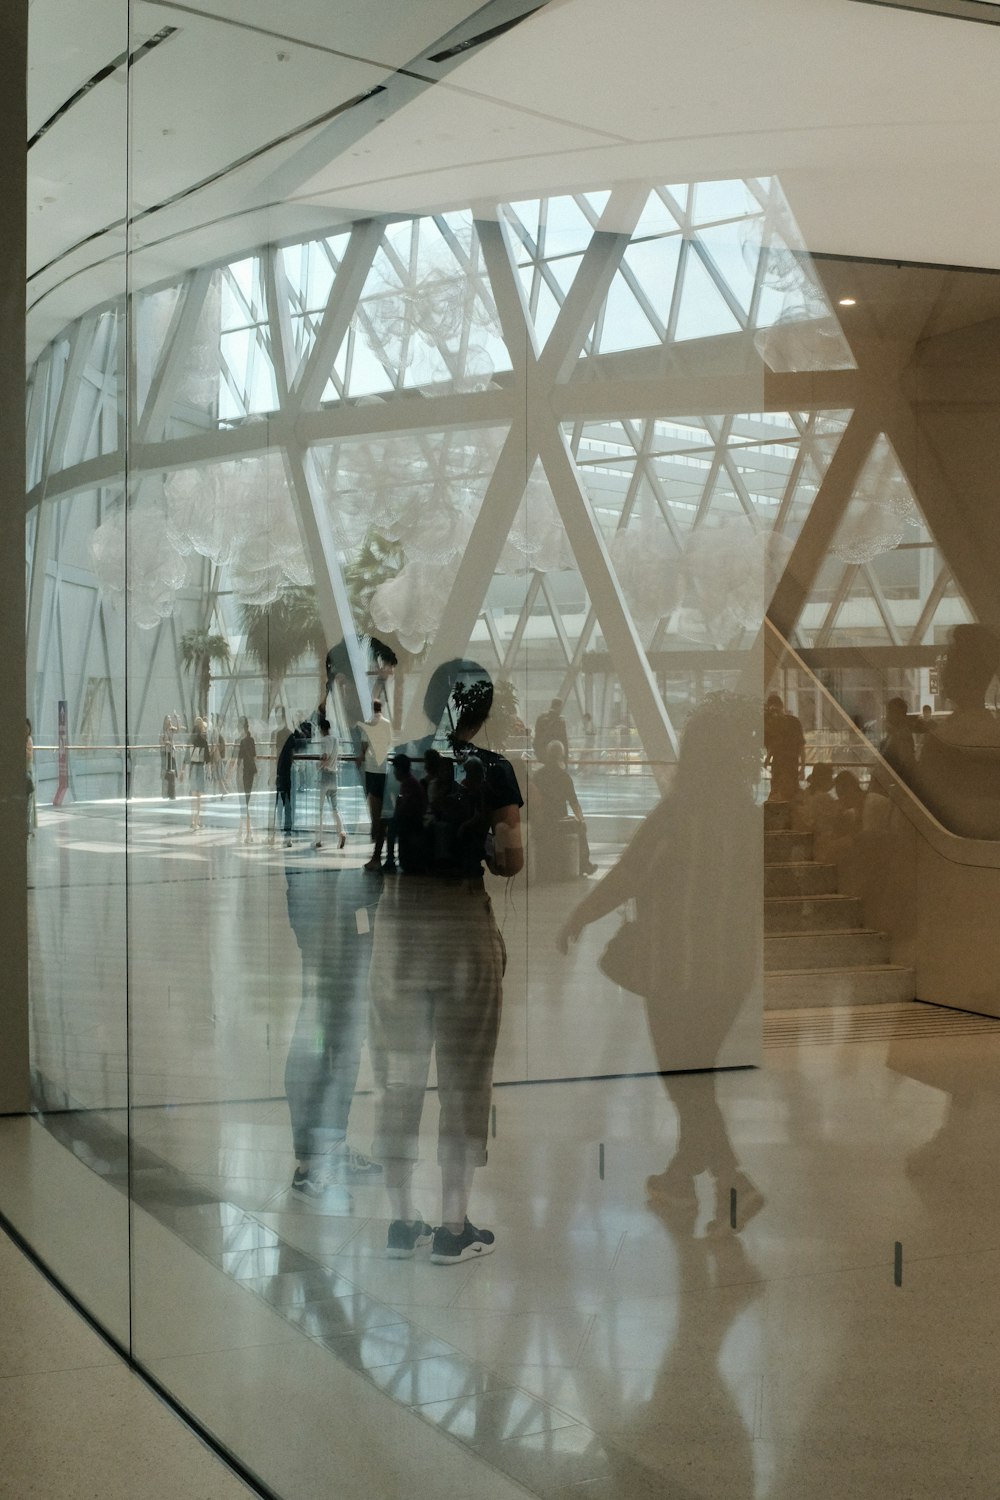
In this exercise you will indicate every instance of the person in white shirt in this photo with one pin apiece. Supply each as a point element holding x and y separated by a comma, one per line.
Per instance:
<point>376,742</point>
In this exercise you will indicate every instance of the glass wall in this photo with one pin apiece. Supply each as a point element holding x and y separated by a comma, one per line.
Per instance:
<point>412,856</point>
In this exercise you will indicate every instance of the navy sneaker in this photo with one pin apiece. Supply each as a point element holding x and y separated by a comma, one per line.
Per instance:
<point>405,1236</point>
<point>448,1249</point>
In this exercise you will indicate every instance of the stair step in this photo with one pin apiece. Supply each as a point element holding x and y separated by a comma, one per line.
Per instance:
<point>833,913</point>
<point>800,879</point>
<point>861,948</point>
<point>789,989</point>
<point>787,846</point>
<point>777,816</point>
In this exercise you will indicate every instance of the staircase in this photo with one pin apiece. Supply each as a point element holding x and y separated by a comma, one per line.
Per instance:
<point>817,950</point>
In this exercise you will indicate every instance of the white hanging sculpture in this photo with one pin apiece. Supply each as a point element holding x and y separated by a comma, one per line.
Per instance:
<point>138,569</point>
<point>880,511</point>
<point>648,568</point>
<point>732,571</point>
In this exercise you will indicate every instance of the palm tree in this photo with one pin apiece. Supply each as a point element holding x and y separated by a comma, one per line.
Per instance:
<point>199,650</point>
<point>279,634</point>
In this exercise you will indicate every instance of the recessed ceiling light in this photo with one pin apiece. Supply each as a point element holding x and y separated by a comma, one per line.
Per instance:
<point>847,302</point>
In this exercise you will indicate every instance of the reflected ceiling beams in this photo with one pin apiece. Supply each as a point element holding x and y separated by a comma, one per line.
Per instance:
<point>535,433</point>
<point>563,639</point>
<point>586,539</point>
<point>163,387</point>
<point>489,535</point>
<point>571,679</point>
<point>517,635</point>
<point>726,394</point>
<point>305,484</point>
<point>45,546</point>
<point>345,297</point>
<point>917,434</point>
<point>820,526</point>
<point>277,303</point>
<point>934,596</point>
<point>332,602</point>
<point>871,578</point>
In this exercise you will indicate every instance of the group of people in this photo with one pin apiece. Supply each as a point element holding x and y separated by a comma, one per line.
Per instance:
<point>204,762</point>
<point>432,985</point>
<point>950,761</point>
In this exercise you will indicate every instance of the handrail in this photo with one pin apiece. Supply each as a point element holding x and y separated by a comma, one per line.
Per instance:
<point>954,847</point>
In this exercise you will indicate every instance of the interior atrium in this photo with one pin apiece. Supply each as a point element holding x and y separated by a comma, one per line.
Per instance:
<point>511,660</point>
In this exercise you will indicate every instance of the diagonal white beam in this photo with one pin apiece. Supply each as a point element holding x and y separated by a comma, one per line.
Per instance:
<point>348,284</point>
<point>166,380</point>
<point>622,639</point>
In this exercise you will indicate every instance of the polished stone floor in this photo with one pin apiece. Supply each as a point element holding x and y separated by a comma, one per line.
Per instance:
<point>811,1310</point>
<point>77,1422</point>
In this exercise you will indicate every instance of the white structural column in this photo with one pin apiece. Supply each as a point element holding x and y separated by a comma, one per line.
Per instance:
<point>14,1071</point>
<point>535,433</point>
<point>304,480</point>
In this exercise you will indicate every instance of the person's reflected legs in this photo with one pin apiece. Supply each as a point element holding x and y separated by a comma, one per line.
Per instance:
<point>325,1053</point>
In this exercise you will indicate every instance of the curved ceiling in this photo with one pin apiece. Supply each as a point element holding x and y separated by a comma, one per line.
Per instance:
<point>245,124</point>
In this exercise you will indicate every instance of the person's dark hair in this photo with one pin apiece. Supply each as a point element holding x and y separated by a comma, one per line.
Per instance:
<point>245,724</point>
<point>720,745</point>
<point>402,764</point>
<point>555,705</point>
<point>445,678</point>
<point>821,777</point>
<point>845,783</point>
<point>432,760</point>
<point>376,705</point>
<point>324,724</point>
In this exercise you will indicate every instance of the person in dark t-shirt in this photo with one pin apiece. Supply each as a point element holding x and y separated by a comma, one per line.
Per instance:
<point>436,975</point>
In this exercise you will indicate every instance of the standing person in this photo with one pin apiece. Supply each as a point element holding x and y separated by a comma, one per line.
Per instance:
<point>327,747</point>
<point>282,796</point>
<point>376,742</point>
<point>435,987</point>
<point>407,824</point>
<point>168,759</point>
<point>550,726</point>
<point>695,945</point>
<point>785,750</point>
<point>197,759</point>
<point>246,775</point>
<point>29,759</point>
<point>218,759</point>
<point>896,746</point>
<point>321,1070</point>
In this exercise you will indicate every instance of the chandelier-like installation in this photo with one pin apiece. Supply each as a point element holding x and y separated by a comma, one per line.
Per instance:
<point>648,567</point>
<point>438,304</point>
<point>880,511</point>
<point>239,515</point>
<point>137,566</point>
<point>731,571</point>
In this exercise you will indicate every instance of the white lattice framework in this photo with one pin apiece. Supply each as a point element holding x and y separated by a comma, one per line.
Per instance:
<point>659,372</point>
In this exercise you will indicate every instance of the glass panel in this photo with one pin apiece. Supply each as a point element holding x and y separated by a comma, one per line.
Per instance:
<point>69,1193</point>
<point>449,523</point>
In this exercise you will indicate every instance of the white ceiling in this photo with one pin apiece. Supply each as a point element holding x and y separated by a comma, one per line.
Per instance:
<point>883,124</point>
